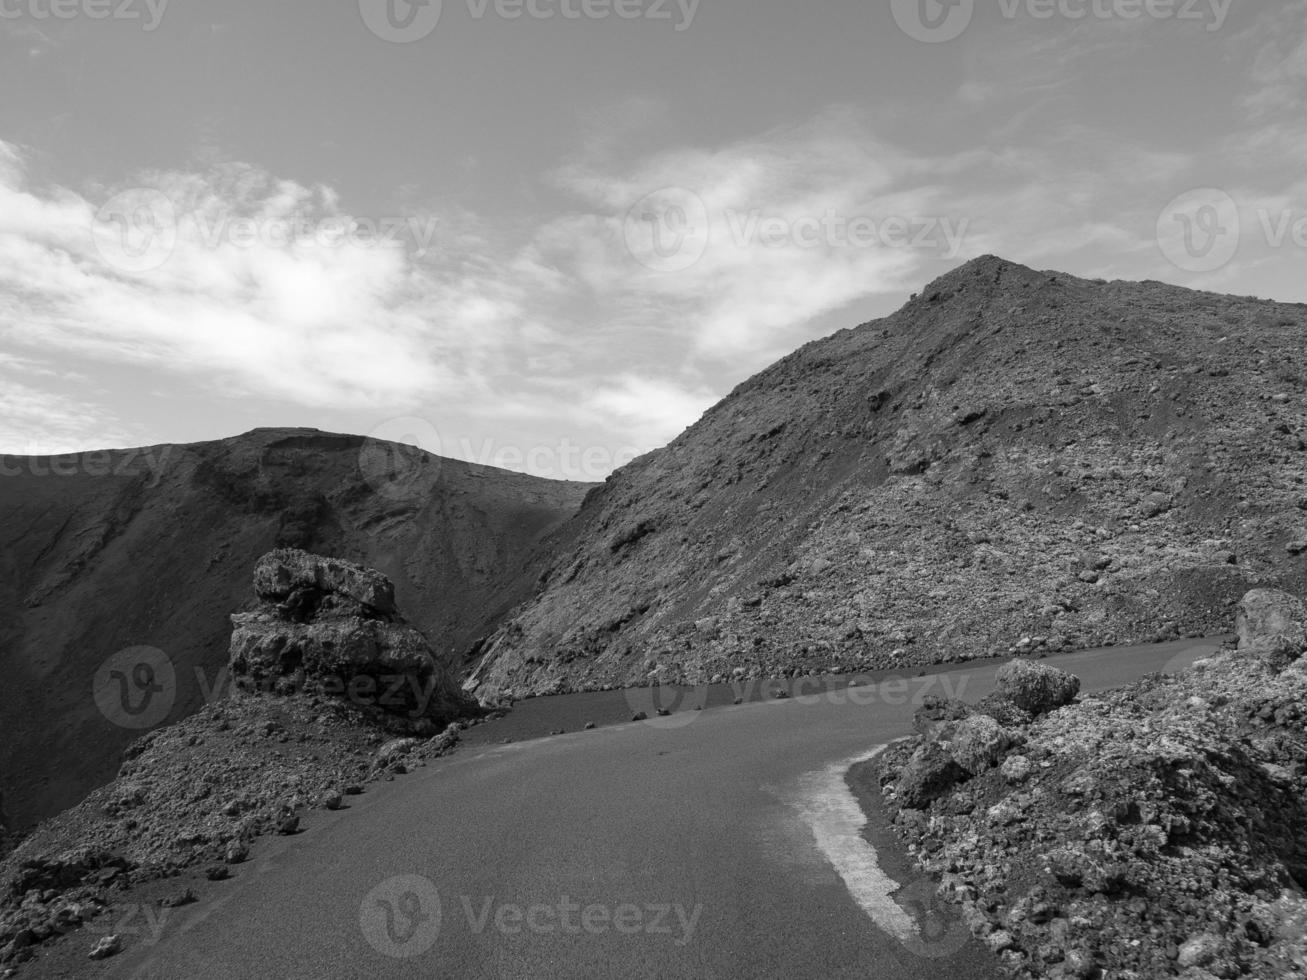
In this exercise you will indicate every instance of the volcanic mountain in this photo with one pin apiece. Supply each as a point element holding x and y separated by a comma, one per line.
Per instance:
<point>104,552</point>
<point>1014,460</point>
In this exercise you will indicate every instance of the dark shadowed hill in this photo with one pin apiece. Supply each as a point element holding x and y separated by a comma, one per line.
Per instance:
<point>1014,459</point>
<point>155,547</point>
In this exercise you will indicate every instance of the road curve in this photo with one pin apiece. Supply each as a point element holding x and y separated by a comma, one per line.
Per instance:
<point>699,847</point>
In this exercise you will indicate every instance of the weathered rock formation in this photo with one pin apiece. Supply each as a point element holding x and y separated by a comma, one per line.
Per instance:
<point>330,626</point>
<point>1272,625</point>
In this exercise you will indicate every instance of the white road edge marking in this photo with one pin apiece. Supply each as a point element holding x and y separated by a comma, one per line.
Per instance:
<point>832,812</point>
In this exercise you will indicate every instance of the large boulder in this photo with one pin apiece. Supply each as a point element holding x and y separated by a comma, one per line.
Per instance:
<point>1036,687</point>
<point>1003,710</point>
<point>1272,626</point>
<point>281,574</point>
<point>329,626</point>
<point>978,743</point>
<point>935,712</point>
<point>931,773</point>
<point>265,646</point>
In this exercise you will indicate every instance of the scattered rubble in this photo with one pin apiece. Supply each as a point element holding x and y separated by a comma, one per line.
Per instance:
<point>195,796</point>
<point>1154,831</point>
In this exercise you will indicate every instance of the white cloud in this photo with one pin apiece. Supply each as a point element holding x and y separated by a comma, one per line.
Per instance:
<point>650,409</point>
<point>235,282</point>
<point>259,290</point>
<point>37,422</point>
<point>1278,70</point>
<point>572,318</point>
<point>794,228</point>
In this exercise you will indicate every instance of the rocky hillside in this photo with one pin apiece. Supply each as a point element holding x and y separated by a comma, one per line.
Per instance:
<point>297,733</point>
<point>103,553</point>
<point>1016,459</point>
<point>1155,831</point>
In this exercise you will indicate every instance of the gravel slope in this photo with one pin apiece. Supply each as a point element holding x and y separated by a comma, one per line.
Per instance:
<point>1152,831</point>
<point>1016,459</point>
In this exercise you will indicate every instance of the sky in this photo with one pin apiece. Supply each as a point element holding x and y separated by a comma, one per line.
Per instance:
<point>548,234</point>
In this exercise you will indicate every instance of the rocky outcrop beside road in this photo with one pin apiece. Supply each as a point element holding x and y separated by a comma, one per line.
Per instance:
<point>324,674</point>
<point>331,626</point>
<point>1149,832</point>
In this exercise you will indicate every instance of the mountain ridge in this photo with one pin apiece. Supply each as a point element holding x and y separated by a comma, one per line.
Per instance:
<point>155,546</point>
<point>828,512</point>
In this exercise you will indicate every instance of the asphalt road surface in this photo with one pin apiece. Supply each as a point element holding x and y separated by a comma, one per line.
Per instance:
<point>709,844</point>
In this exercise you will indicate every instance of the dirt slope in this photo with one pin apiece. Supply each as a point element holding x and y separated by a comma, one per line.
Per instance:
<point>156,547</point>
<point>1013,456</point>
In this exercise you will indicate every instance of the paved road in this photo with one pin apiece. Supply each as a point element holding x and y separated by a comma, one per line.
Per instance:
<point>645,850</point>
